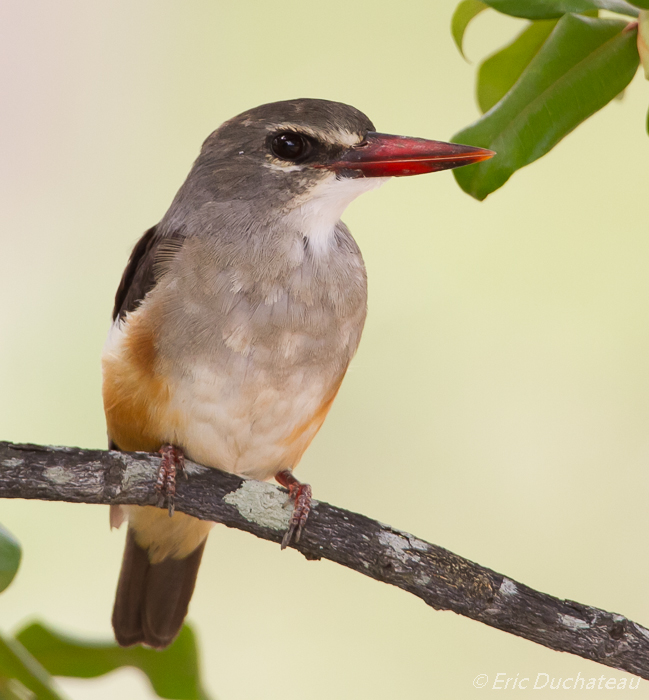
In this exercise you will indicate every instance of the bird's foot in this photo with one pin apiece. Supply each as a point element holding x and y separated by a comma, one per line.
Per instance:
<point>300,494</point>
<point>173,462</point>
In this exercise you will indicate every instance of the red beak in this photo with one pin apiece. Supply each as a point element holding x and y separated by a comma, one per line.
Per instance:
<point>383,155</point>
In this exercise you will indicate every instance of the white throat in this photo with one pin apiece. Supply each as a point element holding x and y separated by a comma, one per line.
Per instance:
<point>323,206</point>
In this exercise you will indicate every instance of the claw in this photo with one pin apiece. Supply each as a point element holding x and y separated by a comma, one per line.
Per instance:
<point>173,461</point>
<point>300,494</point>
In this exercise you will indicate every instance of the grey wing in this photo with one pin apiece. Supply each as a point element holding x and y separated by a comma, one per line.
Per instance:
<point>140,277</point>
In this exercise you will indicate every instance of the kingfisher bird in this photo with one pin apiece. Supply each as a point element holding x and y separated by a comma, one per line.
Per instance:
<point>235,321</point>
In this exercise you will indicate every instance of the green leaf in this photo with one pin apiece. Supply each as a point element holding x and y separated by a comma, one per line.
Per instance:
<point>9,557</point>
<point>643,4</point>
<point>463,14</point>
<point>173,672</point>
<point>553,9</point>
<point>498,73</point>
<point>16,663</point>
<point>583,65</point>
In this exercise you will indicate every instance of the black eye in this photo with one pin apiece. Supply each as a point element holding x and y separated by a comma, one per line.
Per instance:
<point>290,146</point>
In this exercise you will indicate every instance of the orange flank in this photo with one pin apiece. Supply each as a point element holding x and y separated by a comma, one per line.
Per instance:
<point>136,395</point>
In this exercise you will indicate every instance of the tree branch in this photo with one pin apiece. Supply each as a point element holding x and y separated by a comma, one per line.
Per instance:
<point>440,578</point>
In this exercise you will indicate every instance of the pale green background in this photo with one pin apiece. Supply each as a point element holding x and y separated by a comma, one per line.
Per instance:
<point>498,406</point>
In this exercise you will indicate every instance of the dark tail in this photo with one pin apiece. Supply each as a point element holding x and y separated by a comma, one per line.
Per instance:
<point>152,599</point>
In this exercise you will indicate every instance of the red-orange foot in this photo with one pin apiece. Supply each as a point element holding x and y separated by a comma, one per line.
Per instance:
<point>173,462</point>
<point>300,494</point>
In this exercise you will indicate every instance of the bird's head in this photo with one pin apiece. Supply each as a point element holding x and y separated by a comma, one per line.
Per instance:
<point>311,155</point>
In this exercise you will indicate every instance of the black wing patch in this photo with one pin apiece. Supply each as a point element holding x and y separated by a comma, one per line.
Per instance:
<point>140,275</point>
